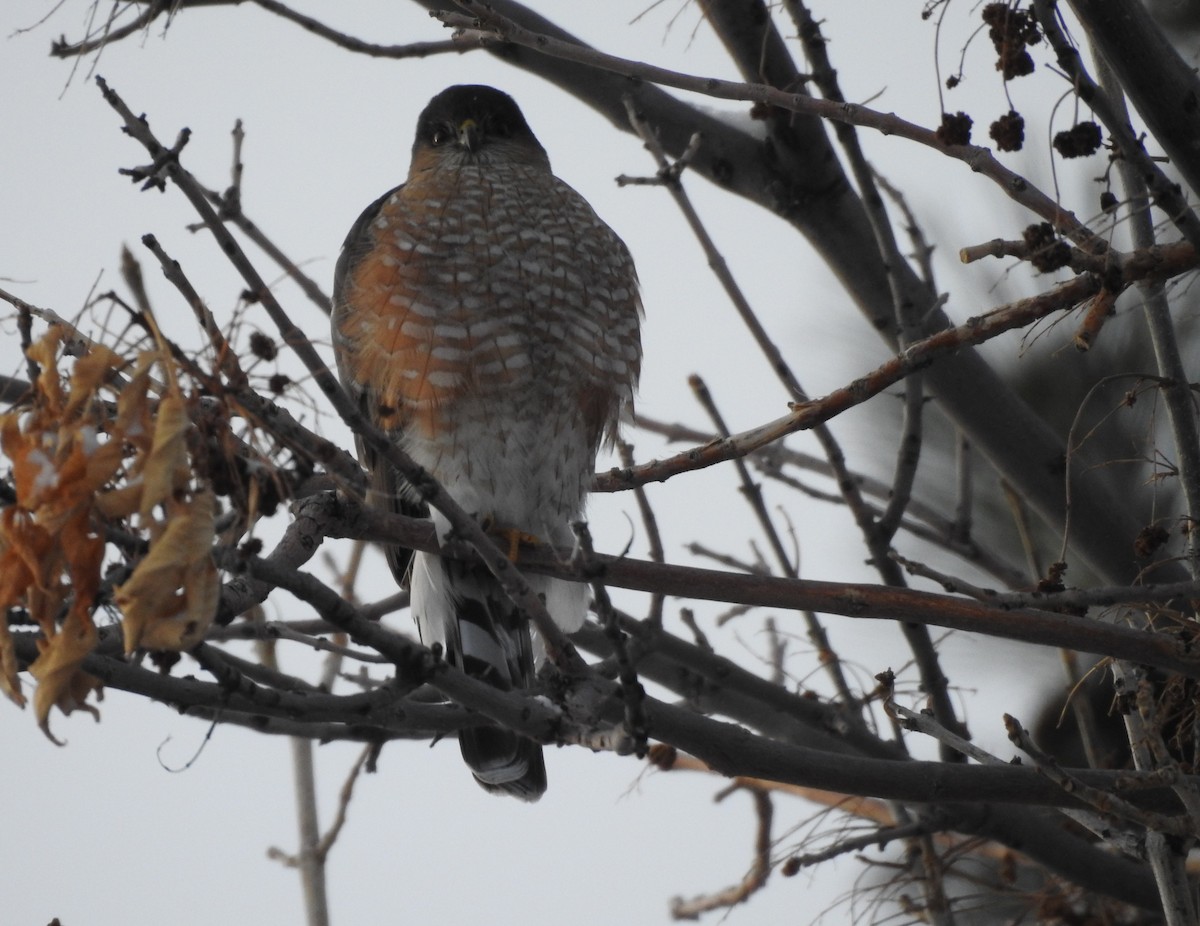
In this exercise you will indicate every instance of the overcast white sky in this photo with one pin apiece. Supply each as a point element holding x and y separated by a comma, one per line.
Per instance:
<point>99,833</point>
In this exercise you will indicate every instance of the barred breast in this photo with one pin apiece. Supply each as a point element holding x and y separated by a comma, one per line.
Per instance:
<point>496,321</point>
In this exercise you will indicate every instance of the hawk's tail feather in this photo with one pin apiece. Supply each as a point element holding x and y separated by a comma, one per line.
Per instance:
<point>503,762</point>
<point>489,639</point>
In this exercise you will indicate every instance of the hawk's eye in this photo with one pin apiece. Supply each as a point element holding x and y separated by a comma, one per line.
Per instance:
<point>501,129</point>
<point>440,136</point>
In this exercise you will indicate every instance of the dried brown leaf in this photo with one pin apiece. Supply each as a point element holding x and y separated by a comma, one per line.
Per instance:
<point>44,352</point>
<point>10,685</point>
<point>28,555</point>
<point>88,375</point>
<point>15,578</point>
<point>31,452</point>
<point>134,417</point>
<point>77,467</point>
<point>115,504</point>
<point>61,683</point>
<point>170,600</point>
<point>166,470</point>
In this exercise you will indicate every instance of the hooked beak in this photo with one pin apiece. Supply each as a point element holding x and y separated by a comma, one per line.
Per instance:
<point>470,135</point>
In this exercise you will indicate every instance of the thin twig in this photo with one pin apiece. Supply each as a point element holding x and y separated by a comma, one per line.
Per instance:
<point>755,879</point>
<point>688,617</point>
<point>632,692</point>
<point>654,547</point>
<point>356,45</point>
<point>227,358</point>
<point>344,796</point>
<point>229,208</point>
<point>60,48</point>
<point>756,568</point>
<point>923,723</point>
<point>1102,800</point>
<point>876,838</point>
<point>952,584</point>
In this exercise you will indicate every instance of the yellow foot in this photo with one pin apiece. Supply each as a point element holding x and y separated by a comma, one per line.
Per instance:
<point>510,537</point>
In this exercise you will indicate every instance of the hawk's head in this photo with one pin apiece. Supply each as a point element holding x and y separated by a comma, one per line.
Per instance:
<point>470,119</point>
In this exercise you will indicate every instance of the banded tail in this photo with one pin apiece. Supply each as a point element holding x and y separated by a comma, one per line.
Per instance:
<point>483,633</point>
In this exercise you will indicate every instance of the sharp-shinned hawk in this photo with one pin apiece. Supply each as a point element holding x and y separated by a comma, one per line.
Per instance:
<point>488,320</point>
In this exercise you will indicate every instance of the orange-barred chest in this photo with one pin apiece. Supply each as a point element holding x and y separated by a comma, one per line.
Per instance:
<point>494,326</point>
<point>501,284</point>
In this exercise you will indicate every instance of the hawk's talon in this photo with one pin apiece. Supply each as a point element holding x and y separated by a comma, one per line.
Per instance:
<point>515,538</point>
<point>510,538</point>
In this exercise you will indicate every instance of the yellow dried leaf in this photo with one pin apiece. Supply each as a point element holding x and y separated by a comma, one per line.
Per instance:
<point>198,604</point>
<point>67,453</point>
<point>10,687</point>
<point>151,594</point>
<point>10,433</point>
<point>44,352</point>
<point>119,503</point>
<point>57,502</point>
<point>171,597</point>
<point>134,418</point>
<point>85,466</point>
<point>103,463</point>
<point>61,683</point>
<point>15,579</point>
<point>166,469</point>
<point>84,555</point>
<point>35,473</point>
<point>29,556</point>
<point>88,375</point>
<point>59,464</point>
<point>15,575</point>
